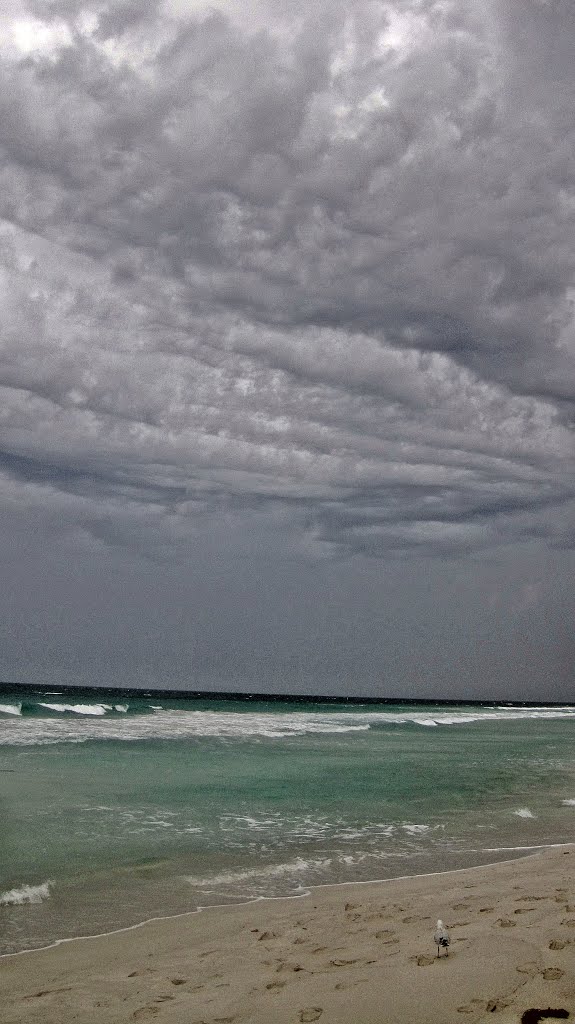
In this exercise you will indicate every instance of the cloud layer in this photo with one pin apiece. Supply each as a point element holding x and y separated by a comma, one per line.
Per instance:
<point>309,269</point>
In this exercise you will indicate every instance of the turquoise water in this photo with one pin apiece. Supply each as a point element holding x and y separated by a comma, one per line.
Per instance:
<point>115,809</point>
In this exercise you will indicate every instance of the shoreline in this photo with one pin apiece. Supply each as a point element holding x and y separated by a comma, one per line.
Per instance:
<point>360,951</point>
<point>528,851</point>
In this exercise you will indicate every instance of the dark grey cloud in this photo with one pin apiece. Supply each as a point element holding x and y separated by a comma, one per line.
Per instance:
<point>309,268</point>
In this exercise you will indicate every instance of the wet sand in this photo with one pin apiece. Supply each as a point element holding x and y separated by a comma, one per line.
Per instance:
<point>354,953</point>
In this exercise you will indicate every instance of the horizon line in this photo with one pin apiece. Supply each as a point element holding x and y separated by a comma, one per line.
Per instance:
<point>248,695</point>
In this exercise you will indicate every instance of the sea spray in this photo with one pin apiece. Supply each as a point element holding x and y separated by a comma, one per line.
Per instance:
<point>26,894</point>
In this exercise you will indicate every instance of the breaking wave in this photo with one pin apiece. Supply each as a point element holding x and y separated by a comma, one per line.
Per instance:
<point>26,894</point>
<point>299,864</point>
<point>43,722</point>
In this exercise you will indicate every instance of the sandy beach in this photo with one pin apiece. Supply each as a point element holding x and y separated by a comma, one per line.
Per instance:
<point>361,952</point>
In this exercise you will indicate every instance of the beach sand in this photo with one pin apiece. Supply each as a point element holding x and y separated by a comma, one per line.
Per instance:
<point>354,953</point>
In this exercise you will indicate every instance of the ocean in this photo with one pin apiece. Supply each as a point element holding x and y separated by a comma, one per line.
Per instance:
<point>117,807</point>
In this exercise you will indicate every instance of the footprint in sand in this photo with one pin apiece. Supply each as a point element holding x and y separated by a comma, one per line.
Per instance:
<point>275,985</point>
<point>424,961</point>
<point>504,922</point>
<point>473,1007</point>
<point>461,906</point>
<point>529,968</point>
<point>552,973</point>
<point>178,981</point>
<point>557,944</point>
<point>569,922</point>
<point>310,1013</point>
<point>282,966</point>
<point>48,992</point>
<point>145,1011</point>
<point>524,910</point>
<point>343,963</point>
<point>497,1004</point>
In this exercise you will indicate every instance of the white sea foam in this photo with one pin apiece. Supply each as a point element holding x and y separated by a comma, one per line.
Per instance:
<point>255,877</point>
<point>568,803</point>
<point>26,894</point>
<point>10,709</point>
<point>79,709</point>
<point>535,707</point>
<point>246,821</point>
<point>509,849</point>
<point>303,828</point>
<point>524,812</point>
<point>299,864</point>
<point>82,722</point>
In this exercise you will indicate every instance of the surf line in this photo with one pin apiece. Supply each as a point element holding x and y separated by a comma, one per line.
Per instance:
<point>306,893</point>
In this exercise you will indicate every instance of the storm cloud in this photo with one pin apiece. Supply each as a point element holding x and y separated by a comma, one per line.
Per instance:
<point>287,284</point>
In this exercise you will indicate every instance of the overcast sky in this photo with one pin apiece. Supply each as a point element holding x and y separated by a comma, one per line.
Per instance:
<point>287,345</point>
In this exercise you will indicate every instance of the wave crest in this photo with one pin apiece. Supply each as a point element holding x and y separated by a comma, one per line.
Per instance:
<point>26,894</point>
<point>10,709</point>
<point>78,723</point>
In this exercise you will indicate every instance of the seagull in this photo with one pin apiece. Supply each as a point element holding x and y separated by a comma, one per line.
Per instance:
<point>441,937</point>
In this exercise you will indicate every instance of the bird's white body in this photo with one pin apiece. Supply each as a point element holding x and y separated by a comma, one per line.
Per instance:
<point>441,937</point>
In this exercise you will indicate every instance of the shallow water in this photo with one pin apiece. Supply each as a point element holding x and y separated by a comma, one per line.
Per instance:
<point>115,809</point>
